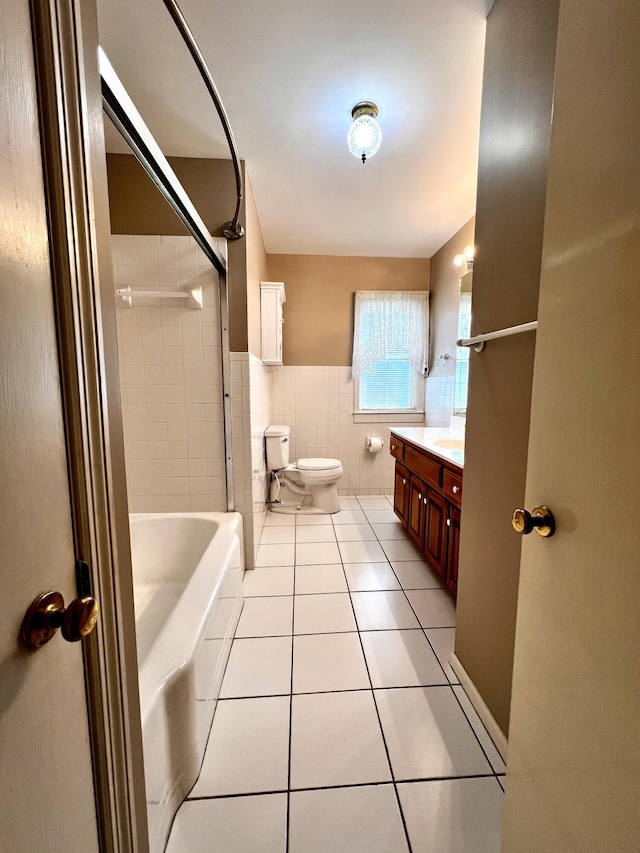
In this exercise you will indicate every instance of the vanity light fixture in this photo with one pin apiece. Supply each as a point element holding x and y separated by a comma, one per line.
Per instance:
<point>364,135</point>
<point>466,257</point>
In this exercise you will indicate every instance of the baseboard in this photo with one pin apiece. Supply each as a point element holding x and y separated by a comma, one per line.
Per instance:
<point>495,732</point>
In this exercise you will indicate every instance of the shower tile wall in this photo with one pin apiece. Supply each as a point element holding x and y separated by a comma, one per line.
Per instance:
<point>251,415</point>
<point>170,374</point>
<point>241,442</point>
<point>261,407</point>
<point>317,402</point>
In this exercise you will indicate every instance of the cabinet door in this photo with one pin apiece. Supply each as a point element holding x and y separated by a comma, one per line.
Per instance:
<point>401,493</point>
<point>453,548</point>
<point>271,299</point>
<point>416,525</point>
<point>435,542</point>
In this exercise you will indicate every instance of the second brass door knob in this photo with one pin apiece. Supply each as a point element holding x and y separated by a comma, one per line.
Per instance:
<point>539,519</point>
<point>47,613</point>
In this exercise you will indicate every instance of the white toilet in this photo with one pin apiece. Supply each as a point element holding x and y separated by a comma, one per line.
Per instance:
<point>308,486</point>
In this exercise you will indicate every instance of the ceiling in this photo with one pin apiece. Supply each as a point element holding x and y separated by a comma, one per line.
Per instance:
<point>289,72</point>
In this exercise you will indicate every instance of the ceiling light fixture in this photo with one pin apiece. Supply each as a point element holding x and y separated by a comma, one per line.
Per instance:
<point>466,257</point>
<point>364,135</point>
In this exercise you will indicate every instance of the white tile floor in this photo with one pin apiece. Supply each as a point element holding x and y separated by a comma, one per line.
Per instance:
<point>341,725</point>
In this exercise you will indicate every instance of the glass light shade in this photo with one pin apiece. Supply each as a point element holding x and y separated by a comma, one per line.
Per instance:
<point>364,137</point>
<point>465,258</point>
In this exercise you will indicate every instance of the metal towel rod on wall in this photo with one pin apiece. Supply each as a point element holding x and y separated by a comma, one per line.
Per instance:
<point>478,341</point>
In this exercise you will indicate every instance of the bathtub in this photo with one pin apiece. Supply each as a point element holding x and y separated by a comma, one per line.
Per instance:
<point>187,579</point>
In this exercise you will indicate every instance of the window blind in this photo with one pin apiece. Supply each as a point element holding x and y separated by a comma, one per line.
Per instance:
<point>389,350</point>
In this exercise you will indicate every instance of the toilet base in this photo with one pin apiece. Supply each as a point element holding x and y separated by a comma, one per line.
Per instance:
<point>301,497</point>
<point>317,499</point>
<point>301,510</point>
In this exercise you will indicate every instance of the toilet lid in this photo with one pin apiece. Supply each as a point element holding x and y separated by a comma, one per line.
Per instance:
<point>319,464</point>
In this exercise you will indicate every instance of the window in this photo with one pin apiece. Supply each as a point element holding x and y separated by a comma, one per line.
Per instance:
<point>389,351</point>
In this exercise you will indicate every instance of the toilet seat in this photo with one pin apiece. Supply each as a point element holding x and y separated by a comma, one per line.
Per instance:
<point>316,474</point>
<point>318,464</point>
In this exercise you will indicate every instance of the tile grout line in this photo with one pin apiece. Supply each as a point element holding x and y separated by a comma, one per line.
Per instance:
<point>446,683</point>
<point>493,770</point>
<point>273,791</point>
<point>422,628</point>
<point>424,631</point>
<point>395,784</point>
<point>188,797</point>
<point>375,705</point>
<point>327,692</point>
<point>293,619</point>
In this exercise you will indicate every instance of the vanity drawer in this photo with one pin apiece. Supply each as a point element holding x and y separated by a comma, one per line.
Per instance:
<point>452,486</point>
<point>423,466</point>
<point>396,448</point>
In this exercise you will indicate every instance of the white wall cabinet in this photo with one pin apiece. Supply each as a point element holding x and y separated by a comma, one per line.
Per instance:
<point>272,299</point>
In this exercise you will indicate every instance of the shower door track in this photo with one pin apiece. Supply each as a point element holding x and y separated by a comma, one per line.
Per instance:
<point>125,116</point>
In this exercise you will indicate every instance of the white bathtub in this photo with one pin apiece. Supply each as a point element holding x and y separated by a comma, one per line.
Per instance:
<point>187,578</point>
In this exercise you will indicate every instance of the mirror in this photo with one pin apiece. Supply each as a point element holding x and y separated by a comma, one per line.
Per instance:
<point>462,353</point>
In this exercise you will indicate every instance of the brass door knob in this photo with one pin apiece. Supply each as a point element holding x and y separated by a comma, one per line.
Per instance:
<point>540,519</point>
<point>47,613</point>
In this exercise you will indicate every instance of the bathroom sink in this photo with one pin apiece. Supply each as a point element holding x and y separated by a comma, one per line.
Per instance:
<point>449,443</point>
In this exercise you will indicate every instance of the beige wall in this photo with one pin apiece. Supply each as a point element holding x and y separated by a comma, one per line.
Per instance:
<point>514,151</point>
<point>256,269</point>
<point>138,208</point>
<point>445,287</point>
<point>318,312</point>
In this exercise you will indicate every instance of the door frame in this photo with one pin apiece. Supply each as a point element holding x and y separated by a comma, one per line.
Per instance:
<point>65,39</point>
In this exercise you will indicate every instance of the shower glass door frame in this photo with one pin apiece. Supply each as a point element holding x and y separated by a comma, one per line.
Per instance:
<point>126,118</point>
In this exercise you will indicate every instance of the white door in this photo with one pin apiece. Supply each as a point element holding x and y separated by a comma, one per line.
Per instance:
<point>573,782</point>
<point>46,782</point>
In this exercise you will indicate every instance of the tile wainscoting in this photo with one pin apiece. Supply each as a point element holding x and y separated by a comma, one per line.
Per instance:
<point>261,407</point>
<point>251,415</point>
<point>317,402</point>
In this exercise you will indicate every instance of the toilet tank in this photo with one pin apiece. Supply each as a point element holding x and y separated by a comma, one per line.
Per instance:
<point>277,442</point>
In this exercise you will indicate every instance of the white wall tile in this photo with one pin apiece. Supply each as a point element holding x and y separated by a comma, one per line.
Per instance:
<point>166,374</point>
<point>317,403</point>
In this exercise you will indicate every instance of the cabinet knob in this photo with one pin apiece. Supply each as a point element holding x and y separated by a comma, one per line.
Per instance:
<point>455,490</point>
<point>426,501</point>
<point>448,522</point>
<point>419,496</point>
<point>404,482</point>
<point>540,519</point>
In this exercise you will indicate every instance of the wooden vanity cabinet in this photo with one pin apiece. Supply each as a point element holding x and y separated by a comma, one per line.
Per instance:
<point>416,515</point>
<point>453,548</point>
<point>435,540</point>
<point>401,493</point>
<point>427,498</point>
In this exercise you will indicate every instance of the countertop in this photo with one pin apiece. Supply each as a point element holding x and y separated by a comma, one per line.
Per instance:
<point>425,436</point>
